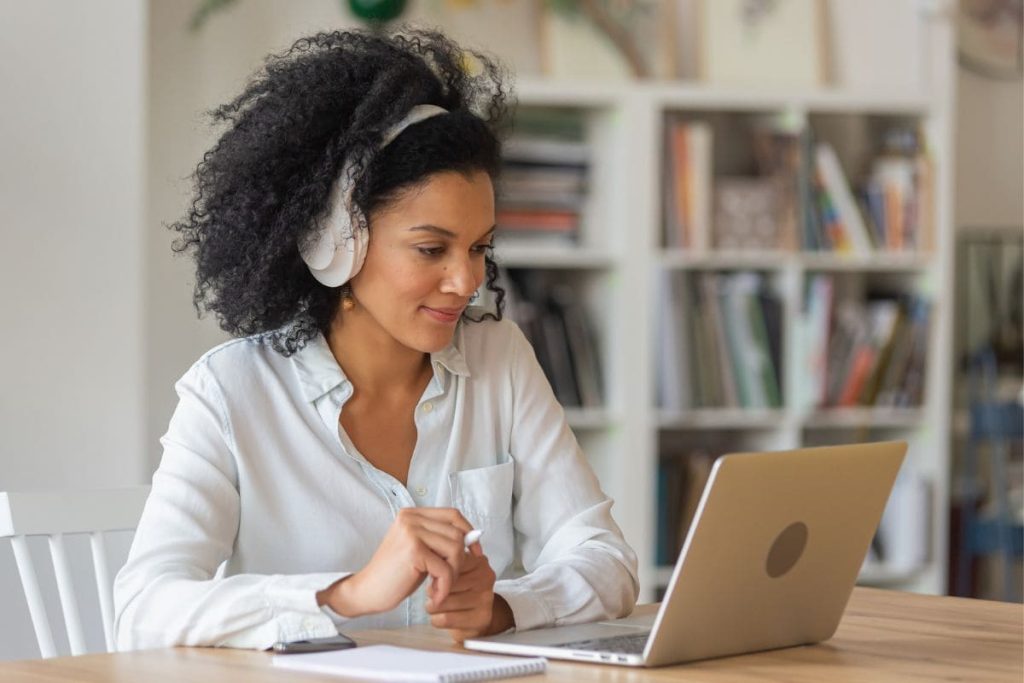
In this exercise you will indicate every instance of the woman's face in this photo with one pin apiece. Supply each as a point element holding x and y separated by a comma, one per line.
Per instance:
<point>426,259</point>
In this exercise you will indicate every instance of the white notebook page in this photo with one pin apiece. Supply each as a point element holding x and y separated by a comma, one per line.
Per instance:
<point>390,663</point>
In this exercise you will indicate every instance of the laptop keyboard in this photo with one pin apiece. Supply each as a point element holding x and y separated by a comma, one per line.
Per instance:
<point>629,644</point>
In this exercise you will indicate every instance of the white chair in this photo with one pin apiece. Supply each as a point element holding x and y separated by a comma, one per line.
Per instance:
<point>55,514</point>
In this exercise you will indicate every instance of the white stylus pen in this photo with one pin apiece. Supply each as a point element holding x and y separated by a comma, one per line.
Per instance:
<point>472,537</point>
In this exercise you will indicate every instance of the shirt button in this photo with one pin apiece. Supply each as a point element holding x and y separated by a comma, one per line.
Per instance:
<point>421,490</point>
<point>427,407</point>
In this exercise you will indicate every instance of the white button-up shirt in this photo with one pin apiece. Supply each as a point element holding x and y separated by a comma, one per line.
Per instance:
<point>261,500</point>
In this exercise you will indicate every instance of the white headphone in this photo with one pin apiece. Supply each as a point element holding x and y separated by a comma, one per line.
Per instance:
<point>337,251</point>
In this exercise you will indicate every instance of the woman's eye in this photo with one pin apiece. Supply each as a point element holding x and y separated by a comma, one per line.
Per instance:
<point>482,248</point>
<point>430,251</point>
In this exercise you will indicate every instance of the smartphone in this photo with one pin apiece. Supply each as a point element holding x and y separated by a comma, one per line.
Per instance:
<point>338,642</point>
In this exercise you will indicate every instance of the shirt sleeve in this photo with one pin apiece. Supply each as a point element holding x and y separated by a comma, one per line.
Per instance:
<point>579,567</point>
<point>168,593</point>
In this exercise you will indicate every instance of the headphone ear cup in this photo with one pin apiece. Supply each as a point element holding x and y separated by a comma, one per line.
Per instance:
<point>348,259</point>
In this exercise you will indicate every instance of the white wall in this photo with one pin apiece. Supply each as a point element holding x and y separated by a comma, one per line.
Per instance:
<point>72,78</point>
<point>990,152</point>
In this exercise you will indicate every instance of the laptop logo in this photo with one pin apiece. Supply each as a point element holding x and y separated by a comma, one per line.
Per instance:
<point>787,549</point>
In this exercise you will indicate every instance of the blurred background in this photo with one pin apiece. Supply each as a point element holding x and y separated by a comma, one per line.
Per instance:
<point>725,225</point>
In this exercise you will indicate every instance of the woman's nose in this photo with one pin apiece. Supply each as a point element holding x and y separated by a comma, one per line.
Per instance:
<point>461,277</point>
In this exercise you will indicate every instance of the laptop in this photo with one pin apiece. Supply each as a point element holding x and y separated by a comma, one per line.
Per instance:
<point>769,561</point>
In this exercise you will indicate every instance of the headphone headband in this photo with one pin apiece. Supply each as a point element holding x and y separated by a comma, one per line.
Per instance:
<point>337,251</point>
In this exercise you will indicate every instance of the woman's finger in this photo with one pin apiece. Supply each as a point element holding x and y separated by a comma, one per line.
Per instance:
<point>473,578</point>
<point>442,528</point>
<point>446,515</point>
<point>471,620</point>
<point>451,550</point>
<point>440,571</point>
<point>460,602</point>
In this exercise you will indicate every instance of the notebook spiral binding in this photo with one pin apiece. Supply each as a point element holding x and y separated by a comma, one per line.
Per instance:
<point>492,673</point>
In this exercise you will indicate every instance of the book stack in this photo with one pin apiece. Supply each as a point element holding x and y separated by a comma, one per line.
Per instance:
<point>688,192</point>
<point>551,316</point>
<point>543,184</point>
<point>897,197</point>
<point>888,213</point>
<point>723,350</point>
<point>864,353</point>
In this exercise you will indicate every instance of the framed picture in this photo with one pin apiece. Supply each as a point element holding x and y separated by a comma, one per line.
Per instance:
<point>607,39</point>
<point>763,42</point>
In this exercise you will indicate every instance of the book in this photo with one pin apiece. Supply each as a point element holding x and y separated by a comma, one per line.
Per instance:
<point>391,663</point>
<point>817,326</point>
<point>810,219</point>
<point>733,318</point>
<point>678,227</point>
<point>838,189</point>
<point>767,365</point>
<point>582,345</point>
<point>687,197</point>
<point>697,472</point>
<point>699,170</point>
<point>718,341</point>
<point>674,380</point>
<point>557,325</point>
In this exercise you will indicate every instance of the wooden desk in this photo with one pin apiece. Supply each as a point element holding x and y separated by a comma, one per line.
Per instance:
<point>884,636</point>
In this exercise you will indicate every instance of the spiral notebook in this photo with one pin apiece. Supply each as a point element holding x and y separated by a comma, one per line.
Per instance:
<point>390,663</point>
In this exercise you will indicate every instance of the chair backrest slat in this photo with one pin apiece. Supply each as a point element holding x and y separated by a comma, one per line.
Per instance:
<point>34,597</point>
<point>66,590</point>
<point>103,586</point>
<point>55,514</point>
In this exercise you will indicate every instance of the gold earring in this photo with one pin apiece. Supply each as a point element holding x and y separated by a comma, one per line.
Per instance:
<point>347,302</point>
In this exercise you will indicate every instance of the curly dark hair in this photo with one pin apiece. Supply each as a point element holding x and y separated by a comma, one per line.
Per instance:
<point>264,185</point>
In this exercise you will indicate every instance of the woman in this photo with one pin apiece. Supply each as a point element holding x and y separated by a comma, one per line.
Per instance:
<point>321,467</point>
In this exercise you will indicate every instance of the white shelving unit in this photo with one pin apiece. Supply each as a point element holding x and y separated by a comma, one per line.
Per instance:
<point>615,270</point>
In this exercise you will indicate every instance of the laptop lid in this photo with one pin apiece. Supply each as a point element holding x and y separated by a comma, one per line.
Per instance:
<point>769,561</point>
<point>774,551</point>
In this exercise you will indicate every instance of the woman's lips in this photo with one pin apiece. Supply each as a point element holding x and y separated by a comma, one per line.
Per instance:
<point>444,315</point>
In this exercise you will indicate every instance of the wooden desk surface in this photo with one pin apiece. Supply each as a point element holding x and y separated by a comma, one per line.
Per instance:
<point>884,636</point>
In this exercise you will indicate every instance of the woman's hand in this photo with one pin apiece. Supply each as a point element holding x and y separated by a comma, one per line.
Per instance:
<point>471,608</point>
<point>421,542</point>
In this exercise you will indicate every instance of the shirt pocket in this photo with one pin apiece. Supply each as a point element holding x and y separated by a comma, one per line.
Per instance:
<point>484,496</point>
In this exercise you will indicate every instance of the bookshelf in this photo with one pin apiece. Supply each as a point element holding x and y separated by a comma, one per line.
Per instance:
<point>618,264</point>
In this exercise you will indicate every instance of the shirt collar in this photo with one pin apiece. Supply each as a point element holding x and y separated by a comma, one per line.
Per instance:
<point>451,357</point>
<point>319,373</point>
<point>317,369</point>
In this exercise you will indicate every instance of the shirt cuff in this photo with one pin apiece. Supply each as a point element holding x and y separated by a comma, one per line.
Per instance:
<point>292,599</point>
<point>528,610</point>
